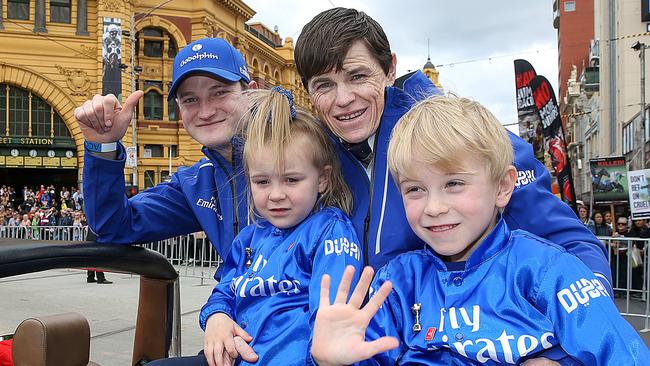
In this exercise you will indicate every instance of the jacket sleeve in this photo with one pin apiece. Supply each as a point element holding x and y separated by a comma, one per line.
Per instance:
<point>535,209</point>
<point>156,213</point>
<point>222,299</point>
<point>386,322</point>
<point>585,320</point>
<point>337,248</point>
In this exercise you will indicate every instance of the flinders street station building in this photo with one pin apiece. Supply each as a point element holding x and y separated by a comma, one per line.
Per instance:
<point>55,54</point>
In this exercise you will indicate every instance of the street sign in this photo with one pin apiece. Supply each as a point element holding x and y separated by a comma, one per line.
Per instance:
<point>131,157</point>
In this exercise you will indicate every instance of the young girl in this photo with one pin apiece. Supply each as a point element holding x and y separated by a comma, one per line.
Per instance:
<point>300,231</point>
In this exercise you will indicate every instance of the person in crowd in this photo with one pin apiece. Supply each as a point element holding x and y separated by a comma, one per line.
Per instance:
<point>618,256</point>
<point>14,221</point>
<point>344,59</point>
<point>298,204</point>
<point>583,213</point>
<point>639,229</point>
<point>451,159</point>
<point>608,219</point>
<point>26,222</point>
<point>602,229</point>
<point>101,277</point>
<point>78,199</point>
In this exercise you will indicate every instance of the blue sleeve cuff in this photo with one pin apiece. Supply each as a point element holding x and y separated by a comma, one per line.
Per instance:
<point>558,355</point>
<point>209,310</point>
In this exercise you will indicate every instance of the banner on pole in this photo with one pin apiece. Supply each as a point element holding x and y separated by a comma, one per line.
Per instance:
<point>554,142</point>
<point>530,128</point>
<point>112,57</point>
<point>609,179</point>
<point>639,195</point>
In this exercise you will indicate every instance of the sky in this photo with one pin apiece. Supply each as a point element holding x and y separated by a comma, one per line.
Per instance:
<point>489,34</point>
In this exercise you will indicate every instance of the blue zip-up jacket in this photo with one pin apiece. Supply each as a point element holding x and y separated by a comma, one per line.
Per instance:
<point>515,299</point>
<point>378,213</point>
<point>209,195</point>
<point>275,297</point>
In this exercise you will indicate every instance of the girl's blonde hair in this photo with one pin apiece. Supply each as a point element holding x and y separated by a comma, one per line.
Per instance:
<point>444,131</point>
<point>268,123</point>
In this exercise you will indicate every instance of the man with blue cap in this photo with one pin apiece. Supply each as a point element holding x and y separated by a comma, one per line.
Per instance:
<point>208,78</point>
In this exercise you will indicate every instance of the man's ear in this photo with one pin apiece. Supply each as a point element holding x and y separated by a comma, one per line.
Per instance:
<point>324,178</point>
<point>392,71</point>
<point>253,84</point>
<point>506,186</point>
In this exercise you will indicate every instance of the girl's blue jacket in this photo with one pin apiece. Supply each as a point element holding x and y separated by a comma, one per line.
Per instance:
<point>272,290</point>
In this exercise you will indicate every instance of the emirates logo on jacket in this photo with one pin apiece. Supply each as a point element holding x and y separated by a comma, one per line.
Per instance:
<point>251,285</point>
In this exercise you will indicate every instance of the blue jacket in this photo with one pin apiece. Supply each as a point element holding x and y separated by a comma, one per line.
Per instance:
<point>513,300</point>
<point>378,213</point>
<point>209,195</point>
<point>276,296</point>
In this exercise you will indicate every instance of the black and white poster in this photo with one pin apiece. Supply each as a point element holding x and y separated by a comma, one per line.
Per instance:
<point>112,57</point>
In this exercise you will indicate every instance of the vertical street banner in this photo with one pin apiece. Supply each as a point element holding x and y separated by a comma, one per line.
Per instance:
<point>639,195</point>
<point>609,179</point>
<point>112,57</point>
<point>529,127</point>
<point>554,142</point>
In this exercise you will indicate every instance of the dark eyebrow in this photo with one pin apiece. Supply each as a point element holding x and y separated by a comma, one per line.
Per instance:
<point>318,79</point>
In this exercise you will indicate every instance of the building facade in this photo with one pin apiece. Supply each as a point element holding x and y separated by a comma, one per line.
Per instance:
<point>604,101</point>
<point>56,54</point>
<point>574,21</point>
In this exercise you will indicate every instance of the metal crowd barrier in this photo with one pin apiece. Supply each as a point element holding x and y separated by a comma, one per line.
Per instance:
<point>192,255</point>
<point>44,232</point>
<point>630,265</point>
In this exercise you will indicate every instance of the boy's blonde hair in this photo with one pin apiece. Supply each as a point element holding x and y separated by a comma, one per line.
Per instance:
<point>443,131</point>
<point>268,122</point>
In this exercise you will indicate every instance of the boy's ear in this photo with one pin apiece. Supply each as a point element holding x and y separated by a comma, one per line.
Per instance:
<point>324,178</point>
<point>506,186</point>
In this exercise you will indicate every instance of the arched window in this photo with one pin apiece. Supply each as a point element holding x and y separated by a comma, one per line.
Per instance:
<point>16,121</point>
<point>150,42</point>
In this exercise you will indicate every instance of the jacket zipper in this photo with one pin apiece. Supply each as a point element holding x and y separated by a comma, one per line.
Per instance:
<point>233,187</point>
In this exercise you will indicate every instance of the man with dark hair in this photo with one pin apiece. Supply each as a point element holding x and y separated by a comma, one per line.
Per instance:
<point>342,58</point>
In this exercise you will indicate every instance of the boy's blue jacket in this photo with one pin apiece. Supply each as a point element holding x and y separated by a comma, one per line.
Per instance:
<point>203,197</point>
<point>275,299</point>
<point>378,212</point>
<point>518,296</point>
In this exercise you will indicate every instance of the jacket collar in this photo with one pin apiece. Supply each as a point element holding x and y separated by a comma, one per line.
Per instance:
<point>492,245</point>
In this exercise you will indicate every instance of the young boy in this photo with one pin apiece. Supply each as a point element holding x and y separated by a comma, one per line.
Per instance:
<point>480,292</point>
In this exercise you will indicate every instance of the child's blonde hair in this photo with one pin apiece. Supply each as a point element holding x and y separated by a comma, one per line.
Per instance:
<point>268,122</point>
<point>443,130</point>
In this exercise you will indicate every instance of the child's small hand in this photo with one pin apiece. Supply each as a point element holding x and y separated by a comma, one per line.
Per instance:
<point>224,341</point>
<point>339,329</point>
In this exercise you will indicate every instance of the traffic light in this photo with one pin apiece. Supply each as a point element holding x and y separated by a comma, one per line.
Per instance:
<point>130,191</point>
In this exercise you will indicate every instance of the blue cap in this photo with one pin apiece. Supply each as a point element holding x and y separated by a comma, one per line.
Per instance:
<point>212,56</point>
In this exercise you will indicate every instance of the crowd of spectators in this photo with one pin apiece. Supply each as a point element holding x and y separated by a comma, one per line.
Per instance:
<point>26,212</point>
<point>625,256</point>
